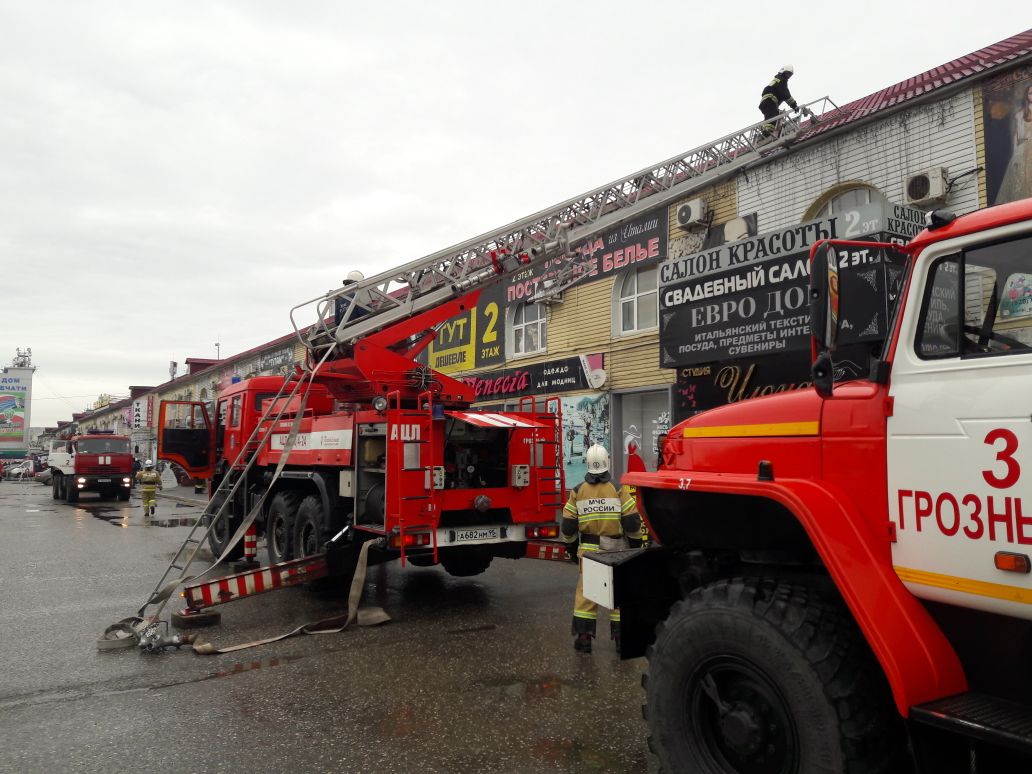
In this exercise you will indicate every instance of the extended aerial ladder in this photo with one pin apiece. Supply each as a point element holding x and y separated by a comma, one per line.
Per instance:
<point>363,311</point>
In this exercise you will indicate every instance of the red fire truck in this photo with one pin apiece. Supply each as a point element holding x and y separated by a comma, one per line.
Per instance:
<point>843,581</point>
<point>363,443</point>
<point>375,444</point>
<point>97,461</point>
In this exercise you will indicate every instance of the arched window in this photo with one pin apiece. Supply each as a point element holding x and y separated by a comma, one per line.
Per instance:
<point>529,329</point>
<point>847,196</point>
<point>637,302</point>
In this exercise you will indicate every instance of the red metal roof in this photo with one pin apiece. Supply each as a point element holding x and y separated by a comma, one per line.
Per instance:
<point>980,62</point>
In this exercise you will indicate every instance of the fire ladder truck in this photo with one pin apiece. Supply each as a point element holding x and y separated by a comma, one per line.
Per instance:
<point>362,444</point>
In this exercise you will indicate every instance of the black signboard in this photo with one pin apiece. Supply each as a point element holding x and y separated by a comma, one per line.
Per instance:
<point>708,385</point>
<point>570,373</point>
<point>753,300</point>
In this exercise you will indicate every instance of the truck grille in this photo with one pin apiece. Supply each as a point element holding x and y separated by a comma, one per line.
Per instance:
<point>100,469</point>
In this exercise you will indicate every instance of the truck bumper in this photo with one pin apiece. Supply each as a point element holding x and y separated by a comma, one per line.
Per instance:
<point>106,483</point>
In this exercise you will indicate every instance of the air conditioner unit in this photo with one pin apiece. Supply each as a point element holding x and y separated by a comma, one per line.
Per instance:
<point>693,213</point>
<point>926,187</point>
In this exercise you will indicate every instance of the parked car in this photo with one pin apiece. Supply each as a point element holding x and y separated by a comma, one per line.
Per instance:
<point>44,476</point>
<point>18,472</point>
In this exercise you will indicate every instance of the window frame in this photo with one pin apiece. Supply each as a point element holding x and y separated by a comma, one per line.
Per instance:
<point>541,322</point>
<point>619,299</point>
<point>962,258</point>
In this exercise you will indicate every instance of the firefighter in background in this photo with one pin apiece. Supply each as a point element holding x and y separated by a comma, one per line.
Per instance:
<point>774,93</point>
<point>150,482</point>
<point>598,517</point>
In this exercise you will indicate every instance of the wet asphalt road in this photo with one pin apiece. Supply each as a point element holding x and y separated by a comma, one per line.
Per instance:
<point>471,675</point>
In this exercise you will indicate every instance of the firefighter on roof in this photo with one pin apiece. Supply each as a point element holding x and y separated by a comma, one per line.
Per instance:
<point>774,93</point>
<point>600,518</point>
<point>150,482</point>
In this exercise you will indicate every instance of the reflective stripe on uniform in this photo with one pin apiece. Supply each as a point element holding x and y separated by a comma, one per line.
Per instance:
<point>587,519</point>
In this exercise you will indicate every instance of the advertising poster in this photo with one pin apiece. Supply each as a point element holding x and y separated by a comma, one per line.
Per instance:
<point>1007,119</point>
<point>15,397</point>
<point>585,422</point>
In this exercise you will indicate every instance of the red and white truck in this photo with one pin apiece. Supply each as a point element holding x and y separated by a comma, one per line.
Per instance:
<point>98,461</point>
<point>843,577</point>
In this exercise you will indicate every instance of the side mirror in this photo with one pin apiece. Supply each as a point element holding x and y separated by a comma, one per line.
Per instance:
<point>824,296</point>
<point>823,374</point>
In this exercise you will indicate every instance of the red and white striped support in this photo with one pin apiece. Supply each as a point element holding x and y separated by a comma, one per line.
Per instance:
<point>545,549</point>
<point>251,544</point>
<point>245,584</point>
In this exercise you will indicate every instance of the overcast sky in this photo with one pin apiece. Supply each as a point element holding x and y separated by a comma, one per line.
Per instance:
<point>176,174</point>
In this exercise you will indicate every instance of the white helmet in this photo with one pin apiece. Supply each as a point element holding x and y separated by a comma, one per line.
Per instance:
<point>787,69</point>
<point>148,464</point>
<point>354,276</point>
<point>597,459</point>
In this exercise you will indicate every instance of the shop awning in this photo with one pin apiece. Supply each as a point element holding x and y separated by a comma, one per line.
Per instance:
<point>484,419</point>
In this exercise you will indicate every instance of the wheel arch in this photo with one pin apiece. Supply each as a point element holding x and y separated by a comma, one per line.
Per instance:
<point>794,520</point>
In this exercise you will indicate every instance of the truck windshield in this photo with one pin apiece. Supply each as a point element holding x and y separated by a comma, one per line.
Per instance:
<point>103,446</point>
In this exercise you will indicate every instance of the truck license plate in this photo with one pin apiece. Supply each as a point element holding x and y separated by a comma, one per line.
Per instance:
<point>103,480</point>
<point>466,535</point>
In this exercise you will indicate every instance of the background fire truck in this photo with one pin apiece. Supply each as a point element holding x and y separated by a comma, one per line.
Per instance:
<point>844,571</point>
<point>98,461</point>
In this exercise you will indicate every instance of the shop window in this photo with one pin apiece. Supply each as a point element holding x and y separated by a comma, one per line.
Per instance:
<point>529,329</point>
<point>637,303</point>
<point>644,417</point>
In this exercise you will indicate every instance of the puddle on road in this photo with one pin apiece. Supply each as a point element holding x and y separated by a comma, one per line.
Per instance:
<point>533,690</point>
<point>122,518</point>
<point>567,754</point>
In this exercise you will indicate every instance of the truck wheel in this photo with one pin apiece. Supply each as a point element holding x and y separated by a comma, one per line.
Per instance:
<point>762,676</point>
<point>123,495</point>
<point>219,537</point>
<point>310,533</point>
<point>467,563</point>
<point>279,526</point>
<point>71,492</point>
<point>55,487</point>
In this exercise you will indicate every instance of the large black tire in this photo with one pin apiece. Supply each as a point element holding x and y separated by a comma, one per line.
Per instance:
<point>465,562</point>
<point>123,495</point>
<point>798,688</point>
<point>310,530</point>
<point>219,537</point>
<point>279,526</point>
<point>55,487</point>
<point>71,492</point>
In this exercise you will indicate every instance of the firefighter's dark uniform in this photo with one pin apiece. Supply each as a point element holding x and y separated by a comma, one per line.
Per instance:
<point>600,518</point>
<point>774,93</point>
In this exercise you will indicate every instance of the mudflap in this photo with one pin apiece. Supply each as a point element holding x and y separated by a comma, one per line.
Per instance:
<point>640,582</point>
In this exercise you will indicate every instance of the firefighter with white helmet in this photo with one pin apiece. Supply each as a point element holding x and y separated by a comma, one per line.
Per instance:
<point>150,482</point>
<point>597,517</point>
<point>774,93</point>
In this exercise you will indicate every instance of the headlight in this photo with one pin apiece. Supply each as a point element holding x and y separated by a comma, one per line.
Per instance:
<point>126,481</point>
<point>81,480</point>
<point>380,403</point>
